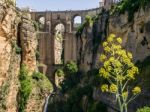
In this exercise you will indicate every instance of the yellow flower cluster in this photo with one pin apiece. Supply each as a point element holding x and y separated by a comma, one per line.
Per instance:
<point>122,53</point>
<point>111,59</point>
<point>136,90</point>
<point>107,49</point>
<point>105,44</point>
<point>116,47</point>
<point>126,60</point>
<point>113,88</point>
<point>117,64</point>
<point>120,78</point>
<point>129,55</point>
<point>118,68</point>
<point>106,63</point>
<point>109,68</point>
<point>104,73</point>
<point>104,88</point>
<point>102,57</point>
<point>119,40</point>
<point>131,72</point>
<point>111,37</point>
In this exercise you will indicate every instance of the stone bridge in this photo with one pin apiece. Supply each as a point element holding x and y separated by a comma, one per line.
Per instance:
<point>50,48</point>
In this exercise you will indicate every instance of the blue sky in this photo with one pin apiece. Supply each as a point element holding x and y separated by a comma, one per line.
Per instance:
<point>42,5</point>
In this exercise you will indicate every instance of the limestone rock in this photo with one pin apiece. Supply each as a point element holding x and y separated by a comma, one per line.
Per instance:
<point>28,42</point>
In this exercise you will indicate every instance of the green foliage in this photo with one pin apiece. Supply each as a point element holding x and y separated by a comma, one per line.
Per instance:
<point>72,78</point>
<point>70,68</point>
<point>131,6</point>
<point>75,92</point>
<point>60,73</point>
<point>37,76</point>
<point>38,81</point>
<point>3,94</point>
<point>88,22</point>
<point>42,83</point>
<point>144,109</point>
<point>25,88</point>
<point>18,49</point>
<point>118,69</point>
<point>36,25</point>
<point>37,54</point>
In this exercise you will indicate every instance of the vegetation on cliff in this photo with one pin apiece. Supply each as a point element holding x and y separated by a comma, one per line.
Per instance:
<point>144,109</point>
<point>27,85</point>
<point>76,90</point>
<point>131,6</point>
<point>88,22</point>
<point>25,88</point>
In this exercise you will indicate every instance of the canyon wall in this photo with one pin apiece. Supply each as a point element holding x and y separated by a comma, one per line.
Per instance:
<point>136,39</point>
<point>18,47</point>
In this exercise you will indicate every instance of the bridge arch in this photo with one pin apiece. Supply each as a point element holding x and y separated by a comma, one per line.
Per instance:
<point>41,22</point>
<point>76,21</point>
<point>47,35</point>
<point>59,35</point>
<point>54,24</point>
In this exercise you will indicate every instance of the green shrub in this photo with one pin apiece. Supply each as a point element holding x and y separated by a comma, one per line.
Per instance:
<point>88,22</point>
<point>25,88</point>
<point>144,109</point>
<point>36,25</point>
<point>37,76</point>
<point>71,68</point>
<point>59,73</point>
<point>4,89</point>
<point>16,47</point>
<point>37,54</point>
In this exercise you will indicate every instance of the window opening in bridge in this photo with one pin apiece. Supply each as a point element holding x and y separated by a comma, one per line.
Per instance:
<point>58,44</point>
<point>77,21</point>
<point>41,22</point>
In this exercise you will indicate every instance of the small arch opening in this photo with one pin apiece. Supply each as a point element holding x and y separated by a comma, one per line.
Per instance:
<point>77,21</point>
<point>41,22</point>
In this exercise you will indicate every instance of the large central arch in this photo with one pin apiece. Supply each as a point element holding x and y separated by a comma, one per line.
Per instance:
<point>59,44</point>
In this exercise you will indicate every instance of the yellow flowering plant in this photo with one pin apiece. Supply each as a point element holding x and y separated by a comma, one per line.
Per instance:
<point>119,70</point>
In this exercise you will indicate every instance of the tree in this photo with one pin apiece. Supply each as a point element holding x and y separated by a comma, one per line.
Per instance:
<point>119,70</point>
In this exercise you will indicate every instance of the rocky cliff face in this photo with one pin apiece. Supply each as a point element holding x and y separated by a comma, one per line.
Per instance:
<point>136,39</point>
<point>135,34</point>
<point>10,61</point>
<point>18,47</point>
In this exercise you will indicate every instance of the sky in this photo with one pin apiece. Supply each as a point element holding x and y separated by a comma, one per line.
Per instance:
<point>55,5</point>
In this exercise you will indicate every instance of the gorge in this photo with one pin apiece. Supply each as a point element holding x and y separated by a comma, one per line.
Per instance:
<point>50,63</point>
